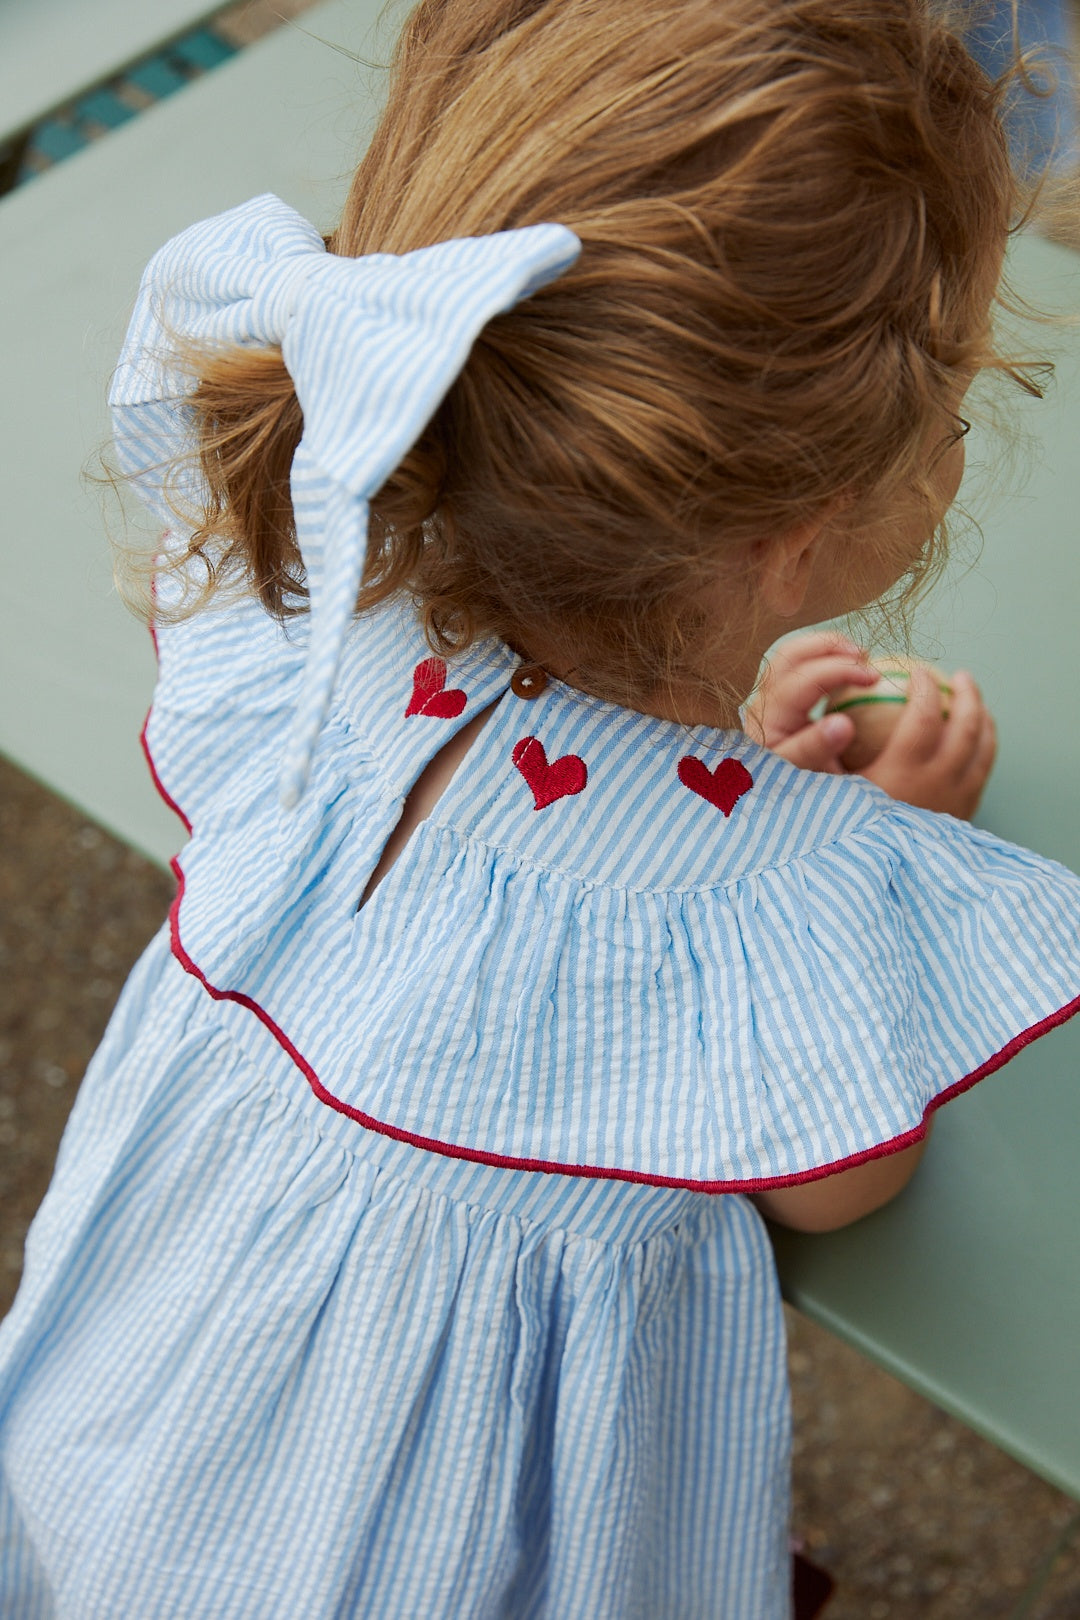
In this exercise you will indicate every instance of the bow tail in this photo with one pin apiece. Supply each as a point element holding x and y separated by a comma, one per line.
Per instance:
<point>332,532</point>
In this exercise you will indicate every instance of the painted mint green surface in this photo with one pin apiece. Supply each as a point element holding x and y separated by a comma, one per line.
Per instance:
<point>76,669</point>
<point>968,1287</point>
<point>52,49</point>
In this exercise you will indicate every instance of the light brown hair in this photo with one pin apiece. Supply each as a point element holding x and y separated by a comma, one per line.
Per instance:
<point>792,215</point>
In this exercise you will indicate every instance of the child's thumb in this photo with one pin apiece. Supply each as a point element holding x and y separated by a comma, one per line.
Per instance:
<point>818,747</point>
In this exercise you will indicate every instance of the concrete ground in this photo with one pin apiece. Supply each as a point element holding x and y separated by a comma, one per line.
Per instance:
<point>916,1517</point>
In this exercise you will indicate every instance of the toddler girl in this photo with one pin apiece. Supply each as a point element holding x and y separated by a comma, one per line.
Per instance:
<point>405,1255</point>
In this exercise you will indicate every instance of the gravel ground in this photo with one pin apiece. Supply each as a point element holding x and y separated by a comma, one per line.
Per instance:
<point>916,1517</point>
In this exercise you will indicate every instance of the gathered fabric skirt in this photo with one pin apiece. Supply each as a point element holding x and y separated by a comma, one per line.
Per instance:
<point>266,1364</point>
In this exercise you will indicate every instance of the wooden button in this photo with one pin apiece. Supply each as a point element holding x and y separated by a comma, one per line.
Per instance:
<point>528,681</point>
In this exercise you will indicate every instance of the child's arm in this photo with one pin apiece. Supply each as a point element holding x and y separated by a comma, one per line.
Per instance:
<point>835,1201</point>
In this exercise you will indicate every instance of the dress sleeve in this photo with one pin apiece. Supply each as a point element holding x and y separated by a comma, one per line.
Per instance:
<point>884,975</point>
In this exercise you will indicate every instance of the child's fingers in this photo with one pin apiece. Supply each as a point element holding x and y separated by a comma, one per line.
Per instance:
<point>794,691</point>
<point>964,727</point>
<point>818,747</point>
<point>918,732</point>
<point>820,676</point>
<point>799,650</point>
<point>988,746</point>
<point>982,760</point>
<point>818,644</point>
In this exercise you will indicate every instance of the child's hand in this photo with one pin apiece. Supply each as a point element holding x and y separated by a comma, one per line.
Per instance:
<point>800,672</point>
<point>937,763</point>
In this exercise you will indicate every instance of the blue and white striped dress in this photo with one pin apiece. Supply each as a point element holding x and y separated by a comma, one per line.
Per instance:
<point>396,1265</point>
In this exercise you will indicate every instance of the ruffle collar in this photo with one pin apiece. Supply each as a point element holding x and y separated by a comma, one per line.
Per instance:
<point>619,947</point>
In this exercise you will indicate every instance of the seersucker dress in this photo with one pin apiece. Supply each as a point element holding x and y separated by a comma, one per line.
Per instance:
<point>396,1264</point>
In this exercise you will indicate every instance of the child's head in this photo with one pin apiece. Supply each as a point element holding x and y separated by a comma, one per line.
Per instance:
<point>793,215</point>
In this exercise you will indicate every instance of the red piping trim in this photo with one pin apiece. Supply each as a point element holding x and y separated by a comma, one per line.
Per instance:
<point>158,783</point>
<point>503,1161</point>
<point>145,745</point>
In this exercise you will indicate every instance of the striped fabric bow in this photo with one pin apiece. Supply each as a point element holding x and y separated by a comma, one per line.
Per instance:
<point>372,345</point>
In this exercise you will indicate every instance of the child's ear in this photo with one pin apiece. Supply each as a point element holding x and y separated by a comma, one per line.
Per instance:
<point>786,566</point>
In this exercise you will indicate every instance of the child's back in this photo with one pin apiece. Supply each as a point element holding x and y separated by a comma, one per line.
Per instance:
<point>383,1273</point>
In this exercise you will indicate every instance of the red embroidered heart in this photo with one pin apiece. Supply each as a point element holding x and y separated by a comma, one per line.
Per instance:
<point>548,782</point>
<point>723,787</point>
<point>428,697</point>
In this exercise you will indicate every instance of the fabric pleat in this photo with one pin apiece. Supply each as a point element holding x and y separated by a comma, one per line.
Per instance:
<point>260,1368</point>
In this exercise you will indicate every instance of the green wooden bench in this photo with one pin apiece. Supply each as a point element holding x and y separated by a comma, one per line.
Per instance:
<point>966,1287</point>
<point>76,670</point>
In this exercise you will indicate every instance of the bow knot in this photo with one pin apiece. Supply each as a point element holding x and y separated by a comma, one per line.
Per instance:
<point>372,344</point>
<point>282,287</point>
